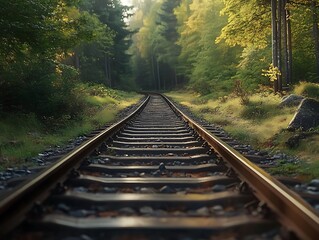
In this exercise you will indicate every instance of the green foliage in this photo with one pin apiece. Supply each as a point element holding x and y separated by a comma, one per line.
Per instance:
<point>106,61</point>
<point>249,69</point>
<point>310,90</point>
<point>258,111</point>
<point>241,92</point>
<point>38,40</point>
<point>254,111</point>
<point>248,23</point>
<point>23,136</point>
<point>202,87</point>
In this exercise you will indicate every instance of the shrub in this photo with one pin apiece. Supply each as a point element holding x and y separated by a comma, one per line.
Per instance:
<point>241,92</point>
<point>254,111</point>
<point>307,89</point>
<point>202,87</point>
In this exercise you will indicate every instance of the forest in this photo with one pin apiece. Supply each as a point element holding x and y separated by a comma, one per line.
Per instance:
<point>51,49</point>
<point>212,44</point>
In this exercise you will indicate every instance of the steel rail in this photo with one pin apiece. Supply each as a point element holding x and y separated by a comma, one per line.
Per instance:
<point>14,207</point>
<point>293,212</point>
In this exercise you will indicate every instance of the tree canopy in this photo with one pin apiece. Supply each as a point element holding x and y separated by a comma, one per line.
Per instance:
<point>211,43</point>
<point>47,45</point>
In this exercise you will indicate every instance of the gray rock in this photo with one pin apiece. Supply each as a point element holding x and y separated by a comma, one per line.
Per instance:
<point>218,188</point>
<point>64,208</point>
<point>127,210</point>
<point>110,190</point>
<point>314,182</point>
<point>146,210</point>
<point>160,213</point>
<point>291,100</point>
<point>204,211</point>
<point>81,213</point>
<point>162,167</point>
<point>216,208</point>
<point>167,189</point>
<point>146,190</point>
<point>307,115</point>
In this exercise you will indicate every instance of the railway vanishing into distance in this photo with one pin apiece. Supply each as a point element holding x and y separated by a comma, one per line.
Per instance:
<point>156,174</point>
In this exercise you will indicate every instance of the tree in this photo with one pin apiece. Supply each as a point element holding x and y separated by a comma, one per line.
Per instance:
<point>37,37</point>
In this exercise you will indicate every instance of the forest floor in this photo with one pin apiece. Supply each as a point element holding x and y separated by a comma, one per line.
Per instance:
<point>24,136</point>
<point>260,123</point>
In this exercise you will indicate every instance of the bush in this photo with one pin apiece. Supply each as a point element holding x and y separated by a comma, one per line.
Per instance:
<point>44,88</point>
<point>241,92</point>
<point>202,87</point>
<point>310,90</point>
<point>254,111</point>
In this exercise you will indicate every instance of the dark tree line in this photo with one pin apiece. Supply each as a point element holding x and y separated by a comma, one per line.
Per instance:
<point>48,47</point>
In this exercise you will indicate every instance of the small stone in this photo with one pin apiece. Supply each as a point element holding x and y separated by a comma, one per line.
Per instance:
<point>81,213</point>
<point>312,190</point>
<point>167,189</point>
<point>162,167</point>
<point>146,210</point>
<point>146,190</point>
<point>204,211</point>
<point>127,210</point>
<point>85,237</point>
<point>64,208</point>
<point>80,189</point>
<point>142,174</point>
<point>216,208</point>
<point>218,188</point>
<point>178,213</point>
<point>160,213</point>
<point>156,173</point>
<point>40,162</point>
<point>110,190</point>
<point>314,182</point>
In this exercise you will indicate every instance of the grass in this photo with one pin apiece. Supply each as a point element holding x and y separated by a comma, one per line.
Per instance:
<point>307,89</point>
<point>24,136</point>
<point>260,123</point>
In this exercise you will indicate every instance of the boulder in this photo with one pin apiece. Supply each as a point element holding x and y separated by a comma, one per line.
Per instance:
<point>291,100</point>
<point>307,115</point>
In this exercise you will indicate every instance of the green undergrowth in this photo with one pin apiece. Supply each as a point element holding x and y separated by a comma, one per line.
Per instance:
<point>25,135</point>
<point>260,122</point>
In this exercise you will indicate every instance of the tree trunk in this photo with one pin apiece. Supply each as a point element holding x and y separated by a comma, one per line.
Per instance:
<point>285,42</point>
<point>158,75</point>
<point>176,80</point>
<point>106,70</point>
<point>274,38</point>
<point>153,72</point>
<point>289,45</point>
<point>77,60</point>
<point>316,35</point>
<point>279,32</point>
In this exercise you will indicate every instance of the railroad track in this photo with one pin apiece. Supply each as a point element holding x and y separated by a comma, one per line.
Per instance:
<point>155,175</point>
